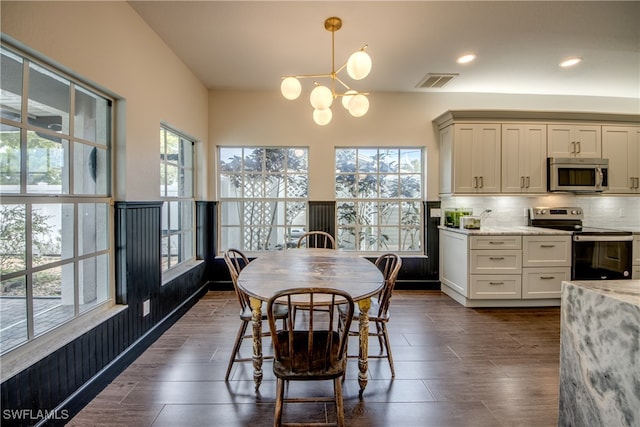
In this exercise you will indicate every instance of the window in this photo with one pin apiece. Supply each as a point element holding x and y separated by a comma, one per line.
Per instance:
<point>263,197</point>
<point>176,191</point>
<point>55,215</point>
<point>378,198</point>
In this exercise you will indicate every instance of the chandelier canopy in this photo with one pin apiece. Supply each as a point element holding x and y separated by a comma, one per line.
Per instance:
<point>358,67</point>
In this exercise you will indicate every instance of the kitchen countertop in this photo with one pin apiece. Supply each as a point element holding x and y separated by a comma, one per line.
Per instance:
<point>624,290</point>
<point>495,230</point>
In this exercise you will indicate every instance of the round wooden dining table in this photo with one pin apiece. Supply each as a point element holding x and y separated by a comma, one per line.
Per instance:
<point>300,268</point>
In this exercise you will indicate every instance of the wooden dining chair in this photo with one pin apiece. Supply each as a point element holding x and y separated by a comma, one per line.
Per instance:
<point>317,239</point>
<point>313,349</point>
<point>236,261</point>
<point>389,264</point>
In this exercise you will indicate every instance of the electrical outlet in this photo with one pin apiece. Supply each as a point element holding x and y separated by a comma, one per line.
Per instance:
<point>146,308</point>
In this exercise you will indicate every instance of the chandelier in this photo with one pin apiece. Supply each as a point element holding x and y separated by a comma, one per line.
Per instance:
<point>358,67</point>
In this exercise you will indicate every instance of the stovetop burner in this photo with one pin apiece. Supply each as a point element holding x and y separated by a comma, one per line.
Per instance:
<point>567,219</point>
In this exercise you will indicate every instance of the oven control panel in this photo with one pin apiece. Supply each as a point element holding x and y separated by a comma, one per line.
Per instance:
<point>562,213</point>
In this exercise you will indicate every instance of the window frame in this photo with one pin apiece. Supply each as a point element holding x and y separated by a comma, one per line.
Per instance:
<point>71,198</point>
<point>289,230</point>
<point>356,225</point>
<point>181,232</point>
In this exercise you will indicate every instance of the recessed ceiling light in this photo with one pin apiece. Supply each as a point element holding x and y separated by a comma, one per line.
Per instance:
<point>465,59</point>
<point>570,62</point>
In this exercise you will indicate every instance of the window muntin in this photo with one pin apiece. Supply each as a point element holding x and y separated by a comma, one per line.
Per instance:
<point>55,215</point>
<point>263,197</point>
<point>378,199</point>
<point>176,190</point>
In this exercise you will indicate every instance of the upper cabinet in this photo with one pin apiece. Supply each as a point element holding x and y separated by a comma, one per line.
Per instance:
<point>571,140</point>
<point>524,158</point>
<point>471,154</point>
<point>621,145</point>
<point>506,152</point>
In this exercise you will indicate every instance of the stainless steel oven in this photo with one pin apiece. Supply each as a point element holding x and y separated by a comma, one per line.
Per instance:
<point>596,253</point>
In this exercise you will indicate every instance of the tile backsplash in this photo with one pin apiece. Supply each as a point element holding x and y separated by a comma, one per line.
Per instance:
<point>599,210</point>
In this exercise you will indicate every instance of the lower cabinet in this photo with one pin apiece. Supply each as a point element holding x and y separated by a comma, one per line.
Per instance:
<point>504,270</point>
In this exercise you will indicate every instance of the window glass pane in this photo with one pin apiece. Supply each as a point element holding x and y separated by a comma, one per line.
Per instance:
<point>411,160</point>
<point>174,249</point>
<point>230,185</point>
<point>91,119</point>
<point>253,159</point>
<point>187,246</point>
<point>9,159</point>
<point>410,239</point>
<point>230,213</point>
<point>297,160</point>
<point>89,170</point>
<point>174,216</point>
<point>172,181</point>
<point>297,186</point>
<point>47,171</point>
<point>13,237</point>
<point>48,104</point>
<point>10,86</point>
<point>94,279</point>
<point>13,312</point>
<point>52,233</point>
<point>388,161</point>
<point>367,160</point>
<point>230,159</point>
<point>53,291</point>
<point>345,186</point>
<point>367,186</point>
<point>186,215</point>
<point>164,250</point>
<point>296,213</point>
<point>410,186</point>
<point>389,186</point>
<point>347,238</point>
<point>93,223</point>
<point>388,239</point>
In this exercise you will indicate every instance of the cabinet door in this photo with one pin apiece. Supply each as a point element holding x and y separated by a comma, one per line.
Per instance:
<point>544,282</point>
<point>476,158</point>
<point>524,158</point>
<point>454,251</point>
<point>544,251</point>
<point>496,242</point>
<point>568,140</point>
<point>621,145</point>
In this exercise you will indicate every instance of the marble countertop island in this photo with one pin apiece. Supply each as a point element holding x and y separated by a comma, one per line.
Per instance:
<point>600,353</point>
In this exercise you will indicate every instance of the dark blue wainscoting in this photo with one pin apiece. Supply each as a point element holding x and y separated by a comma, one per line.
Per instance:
<point>64,381</point>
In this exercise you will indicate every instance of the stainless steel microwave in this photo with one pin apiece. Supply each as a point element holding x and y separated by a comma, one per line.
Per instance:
<point>578,175</point>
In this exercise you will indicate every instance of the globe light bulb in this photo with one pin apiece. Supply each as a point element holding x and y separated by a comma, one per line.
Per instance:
<point>359,65</point>
<point>358,106</point>
<point>346,98</point>
<point>321,98</point>
<point>322,117</point>
<point>291,88</point>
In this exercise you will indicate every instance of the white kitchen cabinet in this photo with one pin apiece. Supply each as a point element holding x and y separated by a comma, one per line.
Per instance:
<point>503,270</point>
<point>573,140</point>
<point>470,158</point>
<point>621,145</point>
<point>524,158</point>
<point>546,262</point>
<point>636,257</point>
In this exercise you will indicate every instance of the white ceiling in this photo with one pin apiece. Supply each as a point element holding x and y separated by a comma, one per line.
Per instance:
<point>245,45</point>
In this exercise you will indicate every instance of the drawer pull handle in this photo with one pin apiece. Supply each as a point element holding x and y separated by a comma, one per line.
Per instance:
<point>547,277</point>
<point>496,258</point>
<point>496,283</point>
<point>496,243</point>
<point>547,246</point>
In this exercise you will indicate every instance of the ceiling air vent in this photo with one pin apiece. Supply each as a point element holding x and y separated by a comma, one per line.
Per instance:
<point>435,80</point>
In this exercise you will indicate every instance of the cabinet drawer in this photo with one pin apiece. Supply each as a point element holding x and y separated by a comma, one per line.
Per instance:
<point>496,262</point>
<point>541,282</point>
<point>539,251</point>
<point>496,242</point>
<point>504,286</point>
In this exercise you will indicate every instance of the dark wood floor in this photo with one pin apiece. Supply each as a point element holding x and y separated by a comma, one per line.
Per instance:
<point>454,367</point>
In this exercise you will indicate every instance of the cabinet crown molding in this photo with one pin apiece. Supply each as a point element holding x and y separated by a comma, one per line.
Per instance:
<point>452,116</point>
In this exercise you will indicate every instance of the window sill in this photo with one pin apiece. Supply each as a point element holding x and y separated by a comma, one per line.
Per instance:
<point>178,271</point>
<point>30,353</point>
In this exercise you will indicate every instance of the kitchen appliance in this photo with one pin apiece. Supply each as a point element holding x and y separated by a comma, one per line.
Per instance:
<point>596,253</point>
<point>578,175</point>
<point>452,216</point>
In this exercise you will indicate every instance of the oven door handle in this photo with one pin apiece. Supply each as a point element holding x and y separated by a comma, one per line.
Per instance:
<point>602,238</point>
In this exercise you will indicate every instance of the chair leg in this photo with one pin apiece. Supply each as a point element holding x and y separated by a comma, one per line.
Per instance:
<point>387,344</point>
<point>236,347</point>
<point>277,419</point>
<point>337,390</point>
<point>380,336</point>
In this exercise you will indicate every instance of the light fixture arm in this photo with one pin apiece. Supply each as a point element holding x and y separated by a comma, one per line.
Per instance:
<point>358,67</point>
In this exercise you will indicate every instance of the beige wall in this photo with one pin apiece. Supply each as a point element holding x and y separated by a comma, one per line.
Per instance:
<point>404,119</point>
<point>108,43</point>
